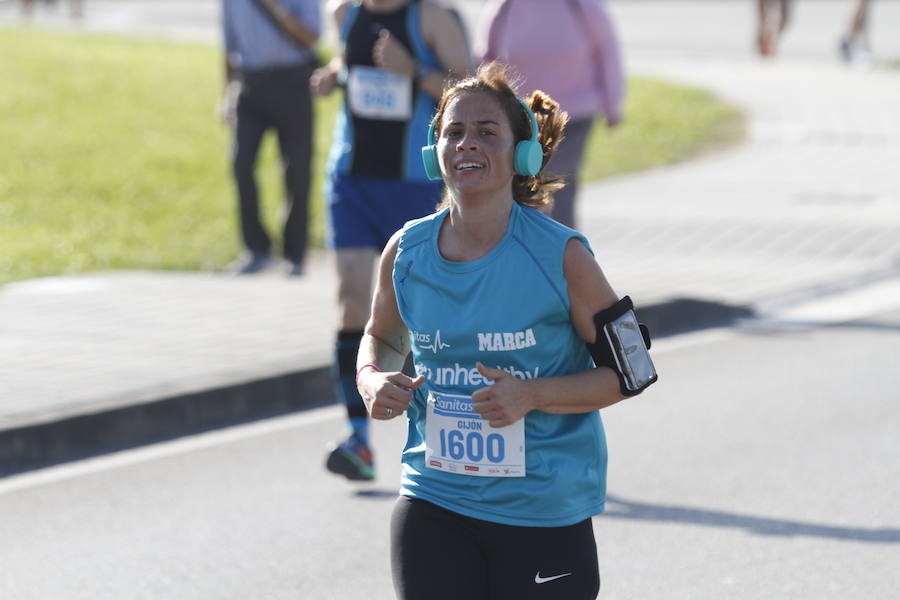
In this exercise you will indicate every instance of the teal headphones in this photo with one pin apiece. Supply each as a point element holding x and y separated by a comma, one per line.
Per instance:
<point>527,160</point>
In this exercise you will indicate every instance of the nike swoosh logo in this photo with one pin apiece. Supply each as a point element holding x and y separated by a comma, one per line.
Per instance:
<point>539,579</point>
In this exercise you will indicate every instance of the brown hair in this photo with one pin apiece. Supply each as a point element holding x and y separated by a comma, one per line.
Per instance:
<point>494,78</point>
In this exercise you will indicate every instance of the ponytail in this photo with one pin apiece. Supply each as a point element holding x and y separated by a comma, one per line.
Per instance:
<point>537,190</point>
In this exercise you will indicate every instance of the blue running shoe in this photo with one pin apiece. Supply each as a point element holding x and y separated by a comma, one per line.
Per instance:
<point>353,459</point>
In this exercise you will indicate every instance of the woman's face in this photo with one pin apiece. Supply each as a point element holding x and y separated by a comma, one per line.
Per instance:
<point>475,145</point>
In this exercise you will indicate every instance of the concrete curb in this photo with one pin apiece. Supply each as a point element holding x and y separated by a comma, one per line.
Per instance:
<point>42,445</point>
<point>73,438</point>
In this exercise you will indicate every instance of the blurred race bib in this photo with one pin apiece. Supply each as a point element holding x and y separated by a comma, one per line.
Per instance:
<point>378,94</point>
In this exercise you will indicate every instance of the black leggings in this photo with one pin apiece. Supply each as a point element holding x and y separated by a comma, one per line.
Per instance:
<point>437,554</point>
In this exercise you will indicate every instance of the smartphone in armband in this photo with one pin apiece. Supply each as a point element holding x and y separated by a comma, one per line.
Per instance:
<point>629,352</point>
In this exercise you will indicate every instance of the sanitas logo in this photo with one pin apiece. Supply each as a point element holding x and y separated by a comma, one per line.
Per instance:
<point>425,341</point>
<point>505,341</point>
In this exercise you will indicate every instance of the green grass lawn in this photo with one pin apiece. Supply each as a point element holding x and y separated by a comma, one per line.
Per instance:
<point>112,157</point>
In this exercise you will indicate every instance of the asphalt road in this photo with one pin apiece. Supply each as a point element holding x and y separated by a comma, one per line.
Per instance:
<point>763,465</point>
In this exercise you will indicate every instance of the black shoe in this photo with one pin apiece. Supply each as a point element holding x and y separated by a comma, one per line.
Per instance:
<point>294,269</point>
<point>845,49</point>
<point>250,263</point>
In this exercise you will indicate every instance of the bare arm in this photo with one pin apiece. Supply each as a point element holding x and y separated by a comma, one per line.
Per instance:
<point>444,34</point>
<point>296,29</point>
<point>510,399</point>
<point>599,25</point>
<point>384,347</point>
<point>324,79</point>
<point>386,341</point>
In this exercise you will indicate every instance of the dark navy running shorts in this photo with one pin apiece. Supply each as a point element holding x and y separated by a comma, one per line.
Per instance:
<point>364,212</point>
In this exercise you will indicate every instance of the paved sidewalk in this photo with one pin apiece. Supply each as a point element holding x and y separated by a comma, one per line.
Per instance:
<point>809,205</point>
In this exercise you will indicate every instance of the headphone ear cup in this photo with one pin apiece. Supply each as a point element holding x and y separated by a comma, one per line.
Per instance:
<point>529,157</point>
<point>431,163</point>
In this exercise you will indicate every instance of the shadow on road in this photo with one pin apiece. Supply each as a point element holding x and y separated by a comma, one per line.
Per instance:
<point>619,508</point>
<point>683,315</point>
<point>390,494</point>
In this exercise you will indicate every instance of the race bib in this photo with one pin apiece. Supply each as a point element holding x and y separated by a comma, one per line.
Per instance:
<point>458,440</point>
<point>378,94</point>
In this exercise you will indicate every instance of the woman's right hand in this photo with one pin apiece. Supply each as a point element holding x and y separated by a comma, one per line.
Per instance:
<point>323,81</point>
<point>387,395</point>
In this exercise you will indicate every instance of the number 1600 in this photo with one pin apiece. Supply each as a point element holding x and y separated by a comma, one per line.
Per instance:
<point>472,446</point>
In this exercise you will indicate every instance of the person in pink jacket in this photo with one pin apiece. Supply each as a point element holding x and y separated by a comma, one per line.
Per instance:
<point>568,49</point>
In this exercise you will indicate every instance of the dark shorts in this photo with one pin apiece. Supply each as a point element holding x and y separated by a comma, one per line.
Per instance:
<point>437,554</point>
<point>364,212</point>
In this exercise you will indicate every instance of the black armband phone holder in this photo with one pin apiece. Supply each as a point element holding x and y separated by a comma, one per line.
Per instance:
<point>622,344</point>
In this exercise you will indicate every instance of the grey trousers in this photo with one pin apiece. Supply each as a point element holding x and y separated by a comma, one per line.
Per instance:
<point>567,162</point>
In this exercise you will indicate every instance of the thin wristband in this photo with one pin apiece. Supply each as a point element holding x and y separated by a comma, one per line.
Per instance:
<point>364,367</point>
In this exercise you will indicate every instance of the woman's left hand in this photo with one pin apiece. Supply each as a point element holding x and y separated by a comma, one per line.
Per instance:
<point>504,402</point>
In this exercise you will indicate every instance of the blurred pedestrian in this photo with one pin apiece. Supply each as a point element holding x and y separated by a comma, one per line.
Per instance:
<point>394,59</point>
<point>269,58</point>
<point>569,50</point>
<point>854,45</point>
<point>76,7</point>
<point>26,7</point>
<point>773,19</point>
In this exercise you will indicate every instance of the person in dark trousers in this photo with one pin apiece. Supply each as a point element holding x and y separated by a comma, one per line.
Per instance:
<point>269,59</point>
<point>76,7</point>
<point>854,45</point>
<point>394,60</point>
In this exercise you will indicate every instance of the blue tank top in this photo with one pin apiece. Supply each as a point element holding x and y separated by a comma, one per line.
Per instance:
<point>382,147</point>
<point>509,310</point>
